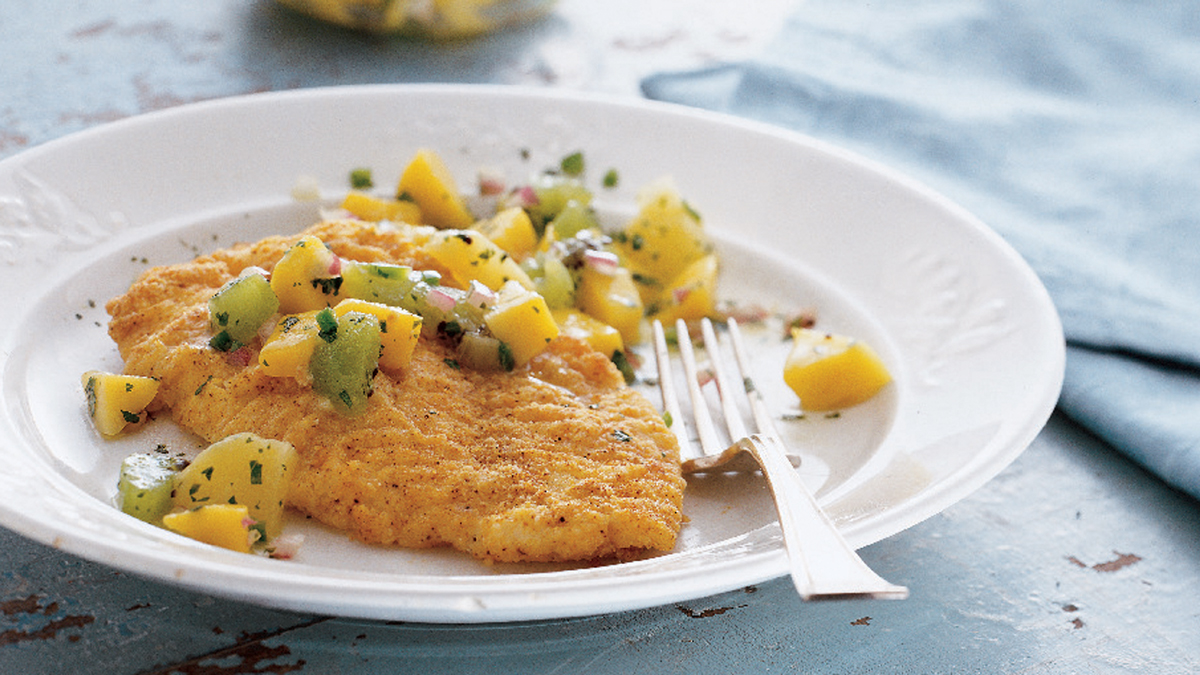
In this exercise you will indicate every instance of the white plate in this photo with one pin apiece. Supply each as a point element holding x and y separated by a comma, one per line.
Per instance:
<point>969,332</point>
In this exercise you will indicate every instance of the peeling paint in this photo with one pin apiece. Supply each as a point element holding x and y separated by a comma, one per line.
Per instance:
<point>32,606</point>
<point>1122,561</point>
<point>864,621</point>
<point>250,654</point>
<point>706,613</point>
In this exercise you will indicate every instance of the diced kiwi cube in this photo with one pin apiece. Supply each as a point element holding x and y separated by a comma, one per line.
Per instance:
<point>345,360</point>
<point>239,309</point>
<point>574,217</point>
<point>553,192</point>
<point>145,485</point>
<point>377,282</point>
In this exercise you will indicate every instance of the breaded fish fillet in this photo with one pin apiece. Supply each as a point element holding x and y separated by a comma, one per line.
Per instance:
<point>557,461</point>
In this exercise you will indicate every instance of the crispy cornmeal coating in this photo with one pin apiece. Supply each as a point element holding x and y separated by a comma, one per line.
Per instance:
<point>557,461</point>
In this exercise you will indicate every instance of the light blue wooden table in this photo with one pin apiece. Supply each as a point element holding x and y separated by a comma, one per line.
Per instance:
<point>1073,560</point>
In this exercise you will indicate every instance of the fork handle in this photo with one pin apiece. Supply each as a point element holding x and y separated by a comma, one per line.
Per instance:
<point>822,564</point>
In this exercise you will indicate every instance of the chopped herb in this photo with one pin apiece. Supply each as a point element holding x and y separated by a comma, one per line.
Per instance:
<point>667,419</point>
<point>572,164</point>
<point>128,387</point>
<point>645,280</point>
<point>222,318</point>
<point>636,242</point>
<point>345,398</point>
<point>622,363</point>
<point>611,178</point>
<point>288,323</point>
<point>507,362</point>
<point>207,473</point>
<point>451,329</point>
<point>256,468</point>
<point>193,490</point>
<point>222,342</point>
<point>451,362</point>
<point>259,530</point>
<point>360,179</point>
<point>748,385</point>
<point>466,238</point>
<point>327,324</point>
<point>130,417</point>
<point>621,436</point>
<point>405,197</point>
<point>328,286</point>
<point>198,389</point>
<point>692,212</point>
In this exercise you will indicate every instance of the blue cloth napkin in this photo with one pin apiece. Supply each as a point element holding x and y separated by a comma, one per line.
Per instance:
<point>1072,128</point>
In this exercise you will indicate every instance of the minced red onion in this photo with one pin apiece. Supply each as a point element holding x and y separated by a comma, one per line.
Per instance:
<point>526,197</point>
<point>441,299</point>
<point>479,295</point>
<point>602,261</point>
<point>491,182</point>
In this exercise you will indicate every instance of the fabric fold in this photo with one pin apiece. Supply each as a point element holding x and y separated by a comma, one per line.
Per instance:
<point>1073,129</point>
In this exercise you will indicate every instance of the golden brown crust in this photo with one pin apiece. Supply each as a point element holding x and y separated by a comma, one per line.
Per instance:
<point>558,461</point>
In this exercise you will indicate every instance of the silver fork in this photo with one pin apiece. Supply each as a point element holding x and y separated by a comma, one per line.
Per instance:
<point>821,563</point>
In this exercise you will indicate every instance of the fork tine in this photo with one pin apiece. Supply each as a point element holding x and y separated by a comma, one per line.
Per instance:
<point>710,443</point>
<point>725,389</point>
<point>666,387</point>
<point>758,407</point>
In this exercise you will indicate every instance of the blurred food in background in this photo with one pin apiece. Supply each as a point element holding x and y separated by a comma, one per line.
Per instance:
<point>438,19</point>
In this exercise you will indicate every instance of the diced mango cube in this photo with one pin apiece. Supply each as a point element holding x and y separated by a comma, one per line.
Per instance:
<point>307,277</point>
<point>601,336</point>
<point>612,299</point>
<point>398,330</point>
<point>522,321</point>
<point>471,256</point>
<point>224,525</point>
<point>663,238</point>
<point>427,181</point>
<point>691,295</point>
<point>288,350</point>
<point>372,208</point>
<point>115,401</point>
<point>511,230</point>
<point>242,469</point>
<point>830,372</point>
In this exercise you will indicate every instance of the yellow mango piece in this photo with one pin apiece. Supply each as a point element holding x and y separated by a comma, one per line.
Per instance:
<point>522,321</point>
<point>471,256</point>
<point>374,209</point>
<point>427,181</point>
<point>224,525</point>
<point>398,330</point>
<point>288,350</point>
<point>306,277</point>
<point>830,372</point>
<point>115,401</point>
<point>511,230</point>
<point>612,299</point>
<point>601,336</point>
<point>691,295</point>
<point>663,238</point>
<point>243,469</point>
